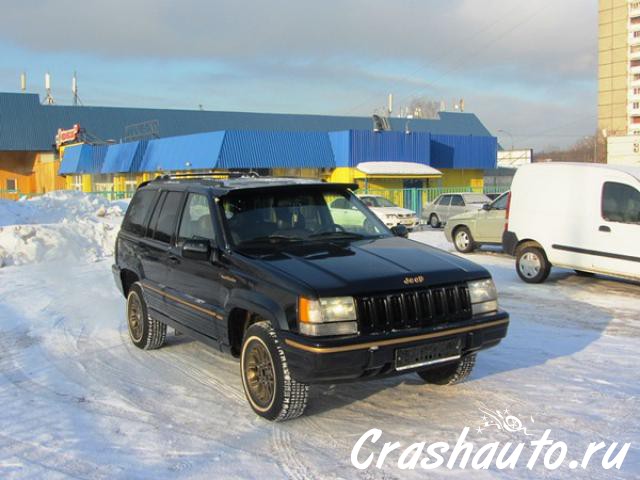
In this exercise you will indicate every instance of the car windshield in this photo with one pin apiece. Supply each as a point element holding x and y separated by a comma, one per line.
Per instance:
<point>292,216</point>
<point>476,198</point>
<point>379,202</point>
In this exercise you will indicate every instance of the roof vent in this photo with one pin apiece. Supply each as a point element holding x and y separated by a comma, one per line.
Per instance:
<point>380,124</point>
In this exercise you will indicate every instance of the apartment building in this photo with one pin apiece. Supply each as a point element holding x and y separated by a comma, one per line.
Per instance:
<point>619,80</point>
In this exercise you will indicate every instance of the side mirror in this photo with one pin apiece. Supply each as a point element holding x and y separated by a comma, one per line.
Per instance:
<point>400,231</point>
<point>196,249</point>
<point>486,206</point>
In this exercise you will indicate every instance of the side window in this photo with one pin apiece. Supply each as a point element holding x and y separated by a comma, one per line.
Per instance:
<point>445,200</point>
<point>500,203</point>
<point>620,203</point>
<point>196,219</point>
<point>167,216</point>
<point>457,201</point>
<point>341,203</point>
<point>141,204</point>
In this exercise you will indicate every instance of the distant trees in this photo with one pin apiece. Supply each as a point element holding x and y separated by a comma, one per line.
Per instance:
<point>584,150</point>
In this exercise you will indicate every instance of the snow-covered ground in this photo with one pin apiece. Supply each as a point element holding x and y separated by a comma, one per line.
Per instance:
<point>79,401</point>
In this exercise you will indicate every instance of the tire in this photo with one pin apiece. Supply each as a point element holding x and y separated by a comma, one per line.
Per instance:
<point>270,390</point>
<point>463,240</point>
<point>145,332</point>
<point>434,221</point>
<point>532,265</point>
<point>451,373</point>
<point>582,273</point>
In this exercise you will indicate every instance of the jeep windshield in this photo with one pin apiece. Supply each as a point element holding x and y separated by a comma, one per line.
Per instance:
<point>292,216</point>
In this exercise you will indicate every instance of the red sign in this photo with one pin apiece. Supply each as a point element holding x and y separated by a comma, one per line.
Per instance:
<point>66,136</point>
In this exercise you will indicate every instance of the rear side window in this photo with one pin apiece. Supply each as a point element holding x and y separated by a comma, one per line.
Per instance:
<point>457,201</point>
<point>620,203</point>
<point>165,217</point>
<point>141,204</point>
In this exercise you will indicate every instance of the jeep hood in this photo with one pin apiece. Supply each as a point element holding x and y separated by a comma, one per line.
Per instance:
<point>368,266</point>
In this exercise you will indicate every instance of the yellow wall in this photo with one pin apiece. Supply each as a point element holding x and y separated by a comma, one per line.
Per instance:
<point>613,67</point>
<point>45,169</point>
<point>462,178</point>
<point>17,166</point>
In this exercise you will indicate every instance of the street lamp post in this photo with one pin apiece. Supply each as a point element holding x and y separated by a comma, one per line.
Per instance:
<point>510,136</point>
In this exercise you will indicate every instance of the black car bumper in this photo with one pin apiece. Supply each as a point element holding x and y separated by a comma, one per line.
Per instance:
<point>331,361</point>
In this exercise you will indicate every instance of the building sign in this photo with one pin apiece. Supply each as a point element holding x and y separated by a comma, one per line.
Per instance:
<point>67,136</point>
<point>514,158</point>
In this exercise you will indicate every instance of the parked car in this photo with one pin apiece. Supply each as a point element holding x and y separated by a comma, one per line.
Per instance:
<point>389,212</point>
<point>580,216</point>
<point>262,269</point>
<point>448,205</point>
<point>470,230</point>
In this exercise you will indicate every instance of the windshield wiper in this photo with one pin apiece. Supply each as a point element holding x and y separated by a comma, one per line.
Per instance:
<point>273,239</point>
<point>329,234</point>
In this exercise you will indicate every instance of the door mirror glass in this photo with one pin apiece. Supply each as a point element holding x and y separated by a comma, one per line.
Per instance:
<point>196,249</point>
<point>400,231</point>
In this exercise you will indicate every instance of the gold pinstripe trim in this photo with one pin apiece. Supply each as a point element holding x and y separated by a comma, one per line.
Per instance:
<point>393,341</point>
<point>183,302</point>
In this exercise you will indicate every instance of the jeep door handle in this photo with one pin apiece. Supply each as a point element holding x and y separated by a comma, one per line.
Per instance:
<point>174,260</point>
<point>604,228</point>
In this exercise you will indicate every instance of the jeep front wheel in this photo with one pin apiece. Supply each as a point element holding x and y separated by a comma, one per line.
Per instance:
<point>266,379</point>
<point>451,373</point>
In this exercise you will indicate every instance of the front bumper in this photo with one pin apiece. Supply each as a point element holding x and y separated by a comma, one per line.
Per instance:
<point>330,361</point>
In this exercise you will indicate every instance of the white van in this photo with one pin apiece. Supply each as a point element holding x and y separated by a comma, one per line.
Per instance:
<point>574,215</point>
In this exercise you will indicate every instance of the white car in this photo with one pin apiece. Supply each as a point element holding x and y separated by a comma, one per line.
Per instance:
<point>574,215</point>
<point>389,212</point>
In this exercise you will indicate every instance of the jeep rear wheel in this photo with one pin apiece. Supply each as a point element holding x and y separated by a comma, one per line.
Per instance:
<point>451,373</point>
<point>266,379</point>
<point>145,333</point>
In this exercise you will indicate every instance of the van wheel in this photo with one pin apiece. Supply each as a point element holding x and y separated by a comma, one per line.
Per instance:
<point>450,374</point>
<point>145,332</point>
<point>434,221</point>
<point>266,379</point>
<point>463,240</point>
<point>532,265</point>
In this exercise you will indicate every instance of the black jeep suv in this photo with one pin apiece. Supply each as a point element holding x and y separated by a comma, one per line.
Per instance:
<point>302,282</point>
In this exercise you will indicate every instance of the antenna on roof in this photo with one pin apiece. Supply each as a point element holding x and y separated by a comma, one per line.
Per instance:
<point>390,105</point>
<point>23,82</point>
<point>48,100</point>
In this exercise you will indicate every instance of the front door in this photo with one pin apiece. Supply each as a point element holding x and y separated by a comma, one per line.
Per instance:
<point>196,289</point>
<point>490,224</point>
<point>617,231</point>
<point>457,206</point>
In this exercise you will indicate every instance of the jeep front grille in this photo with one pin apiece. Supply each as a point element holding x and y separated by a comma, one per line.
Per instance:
<point>417,308</point>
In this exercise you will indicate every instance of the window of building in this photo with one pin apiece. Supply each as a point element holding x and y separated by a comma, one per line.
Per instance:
<point>620,203</point>
<point>12,184</point>
<point>196,219</point>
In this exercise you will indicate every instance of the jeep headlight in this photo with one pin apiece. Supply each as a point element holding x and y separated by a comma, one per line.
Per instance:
<point>327,316</point>
<point>484,296</point>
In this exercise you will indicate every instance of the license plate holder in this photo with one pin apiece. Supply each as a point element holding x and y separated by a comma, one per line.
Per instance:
<point>430,354</point>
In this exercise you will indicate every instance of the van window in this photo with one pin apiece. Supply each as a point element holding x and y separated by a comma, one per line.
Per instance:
<point>135,219</point>
<point>196,219</point>
<point>620,203</point>
<point>457,201</point>
<point>167,217</point>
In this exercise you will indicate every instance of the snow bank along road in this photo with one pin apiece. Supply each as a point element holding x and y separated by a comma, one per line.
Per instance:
<point>79,401</point>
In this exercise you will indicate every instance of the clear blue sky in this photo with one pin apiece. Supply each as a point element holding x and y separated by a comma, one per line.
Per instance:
<point>527,67</point>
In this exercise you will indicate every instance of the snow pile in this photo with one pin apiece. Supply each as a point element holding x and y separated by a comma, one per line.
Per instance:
<point>58,225</point>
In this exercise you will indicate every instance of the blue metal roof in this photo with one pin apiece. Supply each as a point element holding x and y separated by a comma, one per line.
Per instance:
<point>82,159</point>
<point>187,152</point>
<point>260,149</point>
<point>27,125</point>
<point>119,157</point>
